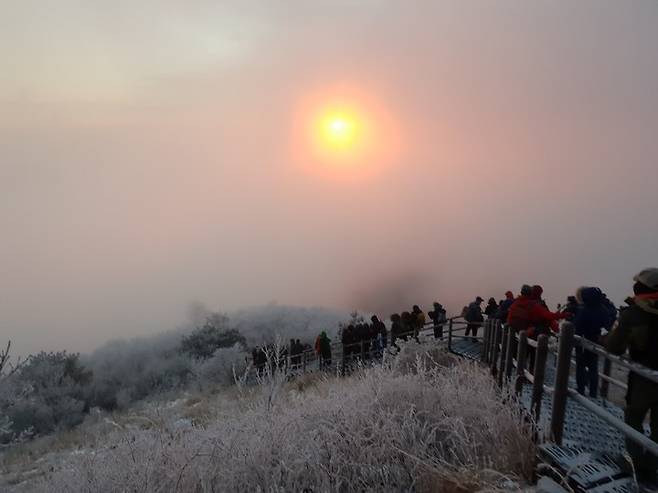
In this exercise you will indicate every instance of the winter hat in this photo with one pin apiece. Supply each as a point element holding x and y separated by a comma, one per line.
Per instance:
<point>648,277</point>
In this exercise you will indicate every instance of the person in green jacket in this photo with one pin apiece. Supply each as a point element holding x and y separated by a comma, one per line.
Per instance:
<point>637,332</point>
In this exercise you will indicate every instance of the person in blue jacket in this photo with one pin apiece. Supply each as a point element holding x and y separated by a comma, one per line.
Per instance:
<point>591,317</point>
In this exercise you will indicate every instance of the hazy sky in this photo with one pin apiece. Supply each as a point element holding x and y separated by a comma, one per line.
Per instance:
<point>156,153</point>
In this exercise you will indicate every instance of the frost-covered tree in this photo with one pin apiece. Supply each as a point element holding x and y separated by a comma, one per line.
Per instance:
<point>211,336</point>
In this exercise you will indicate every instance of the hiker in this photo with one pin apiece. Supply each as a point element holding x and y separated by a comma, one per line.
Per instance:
<point>503,307</point>
<point>419,319</point>
<point>571,306</point>
<point>379,330</point>
<point>407,322</point>
<point>491,308</point>
<point>396,329</point>
<point>529,314</point>
<point>438,317</point>
<point>323,349</point>
<point>612,311</point>
<point>591,317</point>
<point>637,331</point>
<point>474,318</point>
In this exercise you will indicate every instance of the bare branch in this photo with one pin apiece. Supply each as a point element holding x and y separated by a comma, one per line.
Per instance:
<point>6,367</point>
<point>4,357</point>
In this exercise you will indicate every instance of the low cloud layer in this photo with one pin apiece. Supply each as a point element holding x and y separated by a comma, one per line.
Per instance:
<point>152,155</point>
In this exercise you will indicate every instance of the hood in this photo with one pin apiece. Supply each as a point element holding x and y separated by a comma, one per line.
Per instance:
<point>536,292</point>
<point>591,296</point>
<point>648,302</point>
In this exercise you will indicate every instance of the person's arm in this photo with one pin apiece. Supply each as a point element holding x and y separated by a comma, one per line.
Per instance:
<point>618,340</point>
<point>543,314</point>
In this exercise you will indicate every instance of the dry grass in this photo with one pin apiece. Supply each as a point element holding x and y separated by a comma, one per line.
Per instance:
<point>421,422</point>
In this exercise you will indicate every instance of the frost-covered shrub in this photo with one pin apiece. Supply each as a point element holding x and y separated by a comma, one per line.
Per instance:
<point>434,428</point>
<point>46,393</point>
<point>128,371</point>
<point>222,367</point>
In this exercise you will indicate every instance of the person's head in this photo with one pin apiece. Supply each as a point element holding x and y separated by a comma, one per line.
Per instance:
<point>509,295</point>
<point>479,300</point>
<point>526,290</point>
<point>536,292</point>
<point>492,301</point>
<point>646,282</point>
<point>571,299</point>
<point>579,294</point>
<point>374,319</point>
<point>416,309</point>
<point>298,341</point>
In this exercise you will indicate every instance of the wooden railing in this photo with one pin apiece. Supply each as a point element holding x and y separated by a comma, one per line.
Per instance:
<point>503,350</point>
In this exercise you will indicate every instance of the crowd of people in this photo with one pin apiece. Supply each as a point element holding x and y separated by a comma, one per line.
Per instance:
<point>633,328</point>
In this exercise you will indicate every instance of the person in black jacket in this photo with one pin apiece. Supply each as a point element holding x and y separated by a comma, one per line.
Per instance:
<point>591,317</point>
<point>474,318</point>
<point>438,317</point>
<point>637,332</point>
<point>491,308</point>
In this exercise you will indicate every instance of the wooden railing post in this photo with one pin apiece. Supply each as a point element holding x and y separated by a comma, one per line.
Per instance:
<point>561,394</point>
<point>450,335</point>
<point>500,377</point>
<point>485,341</point>
<point>497,336</point>
<point>509,353</point>
<point>541,353</point>
<point>521,362</point>
<point>607,370</point>
<point>490,340</point>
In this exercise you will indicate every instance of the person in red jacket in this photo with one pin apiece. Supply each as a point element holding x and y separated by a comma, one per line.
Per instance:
<point>529,312</point>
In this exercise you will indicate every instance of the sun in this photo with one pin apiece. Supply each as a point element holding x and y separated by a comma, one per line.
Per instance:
<point>339,130</point>
<point>343,133</point>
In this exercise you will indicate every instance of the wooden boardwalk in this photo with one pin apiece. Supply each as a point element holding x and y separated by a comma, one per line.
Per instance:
<point>582,441</point>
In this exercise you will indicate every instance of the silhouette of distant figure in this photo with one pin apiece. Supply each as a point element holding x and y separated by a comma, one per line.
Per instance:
<point>438,317</point>
<point>323,349</point>
<point>474,317</point>
<point>418,320</point>
<point>408,324</point>
<point>379,330</point>
<point>396,329</point>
